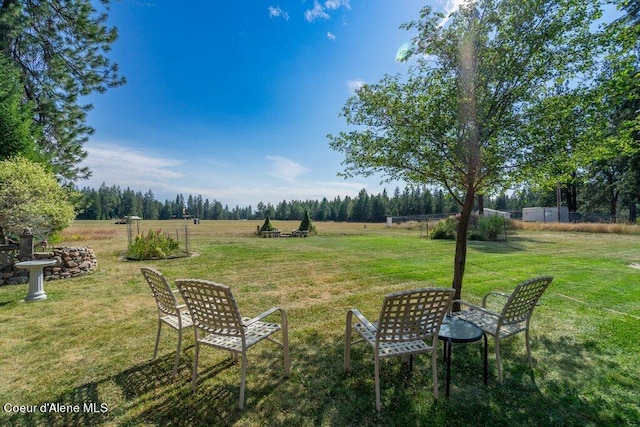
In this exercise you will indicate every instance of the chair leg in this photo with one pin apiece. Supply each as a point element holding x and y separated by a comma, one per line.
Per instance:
<point>243,377</point>
<point>347,343</point>
<point>194,375</point>
<point>285,349</point>
<point>498,360</point>
<point>434,368</point>
<point>155,351</point>
<point>526,334</point>
<point>377,381</point>
<point>175,364</point>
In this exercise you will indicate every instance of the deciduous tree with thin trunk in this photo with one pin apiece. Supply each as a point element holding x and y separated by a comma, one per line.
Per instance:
<point>455,119</point>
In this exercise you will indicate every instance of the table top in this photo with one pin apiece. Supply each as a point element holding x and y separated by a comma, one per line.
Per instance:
<point>36,263</point>
<point>458,330</point>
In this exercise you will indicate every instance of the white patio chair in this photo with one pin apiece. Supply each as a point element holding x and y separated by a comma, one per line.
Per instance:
<point>169,311</point>
<point>513,318</point>
<point>408,324</point>
<point>218,323</point>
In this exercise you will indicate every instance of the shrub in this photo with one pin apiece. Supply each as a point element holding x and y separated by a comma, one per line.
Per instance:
<point>475,235</point>
<point>445,229</point>
<point>305,224</point>
<point>31,197</point>
<point>490,227</point>
<point>267,225</point>
<point>154,245</point>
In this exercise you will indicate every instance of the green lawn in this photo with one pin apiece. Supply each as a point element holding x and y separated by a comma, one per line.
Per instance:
<point>91,341</point>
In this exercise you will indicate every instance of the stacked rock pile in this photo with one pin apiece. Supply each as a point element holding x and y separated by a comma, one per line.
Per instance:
<point>72,262</point>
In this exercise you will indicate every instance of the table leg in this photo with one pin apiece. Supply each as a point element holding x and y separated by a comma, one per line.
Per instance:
<point>448,358</point>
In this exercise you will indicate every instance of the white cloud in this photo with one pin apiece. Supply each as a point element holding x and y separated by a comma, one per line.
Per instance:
<point>285,169</point>
<point>277,12</point>
<point>120,165</point>
<point>319,11</point>
<point>230,182</point>
<point>335,4</point>
<point>331,36</point>
<point>354,85</point>
<point>451,6</point>
<point>316,13</point>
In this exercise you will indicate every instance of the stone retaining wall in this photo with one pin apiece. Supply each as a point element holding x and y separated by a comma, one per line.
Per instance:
<point>72,262</point>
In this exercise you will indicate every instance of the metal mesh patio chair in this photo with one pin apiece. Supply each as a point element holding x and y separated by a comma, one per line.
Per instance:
<point>218,324</point>
<point>169,311</point>
<point>408,324</point>
<point>514,317</point>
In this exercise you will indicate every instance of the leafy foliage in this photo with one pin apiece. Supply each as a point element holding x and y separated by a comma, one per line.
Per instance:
<point>454,120</point>
<point>30,197</point>
<point>445,229</point>
<point>490,227</point>
<point>154,245</point>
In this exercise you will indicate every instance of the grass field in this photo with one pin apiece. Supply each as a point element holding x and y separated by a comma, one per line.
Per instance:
<point>91,341</point>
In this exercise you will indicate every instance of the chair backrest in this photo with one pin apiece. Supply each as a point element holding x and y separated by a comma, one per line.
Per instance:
<point>523,299</point>
<point>413,315</point>
<point>165,299</point>
<point>212,307</point>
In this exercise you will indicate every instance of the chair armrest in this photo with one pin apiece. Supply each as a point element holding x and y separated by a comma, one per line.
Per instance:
<point>501,294</point>
<point>265,314</point>
<point>477,307</point>
<point>178,296</point>
<point>181,306</point>
<point>367,324</point>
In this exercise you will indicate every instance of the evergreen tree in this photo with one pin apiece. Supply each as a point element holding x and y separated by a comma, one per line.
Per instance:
<point>17,130</point>
<point>306,224</point>
<point>266,226</point>
<point>361,209</point>
<point>60,49</point>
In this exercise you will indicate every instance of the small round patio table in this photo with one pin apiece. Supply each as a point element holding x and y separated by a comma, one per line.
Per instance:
<point>36,277</point>
<point>454,330</point>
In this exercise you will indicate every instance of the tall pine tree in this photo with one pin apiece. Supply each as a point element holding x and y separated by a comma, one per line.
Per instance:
<point>60,48</point>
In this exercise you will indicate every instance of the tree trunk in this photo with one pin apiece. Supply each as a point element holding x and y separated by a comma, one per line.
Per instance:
<point>461,244</point>
<point>613,198</point>
<point>571,196</point>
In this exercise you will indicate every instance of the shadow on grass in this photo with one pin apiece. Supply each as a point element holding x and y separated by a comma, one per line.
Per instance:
<point>513,244</point>
<point>495,247</point>
<point>568,387</point>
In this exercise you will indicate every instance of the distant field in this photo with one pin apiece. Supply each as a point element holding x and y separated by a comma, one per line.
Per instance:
<point>92,339</point>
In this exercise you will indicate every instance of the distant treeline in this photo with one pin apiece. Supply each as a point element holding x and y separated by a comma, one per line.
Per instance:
<point>113,202</point>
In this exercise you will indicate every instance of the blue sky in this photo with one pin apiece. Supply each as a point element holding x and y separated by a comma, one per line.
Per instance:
<point>233,99</point>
